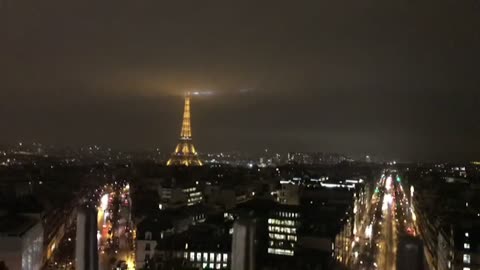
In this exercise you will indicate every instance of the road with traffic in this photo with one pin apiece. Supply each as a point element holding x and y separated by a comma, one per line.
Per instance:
<point>376,242</point>
<point>115,235</point>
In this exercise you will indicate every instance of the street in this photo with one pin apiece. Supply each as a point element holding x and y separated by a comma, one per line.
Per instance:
<point>375,244</point>
<point>115,237</point>
<point>115,231</point>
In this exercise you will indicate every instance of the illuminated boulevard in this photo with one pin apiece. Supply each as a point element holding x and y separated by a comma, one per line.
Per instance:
<point>375,244</point>
<point>115,236</point>
<point>114,228</point>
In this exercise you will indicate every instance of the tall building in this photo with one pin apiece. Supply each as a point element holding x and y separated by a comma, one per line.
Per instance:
<point>21,243</point>
<point>203,246</point>
<point>243,245</point>
<point>86,249</point>
<point>282,232</point>
<point>289,193</point>
<point>177,194</point>
<point>185,153</point>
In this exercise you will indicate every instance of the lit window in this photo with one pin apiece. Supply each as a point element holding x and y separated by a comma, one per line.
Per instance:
<point>466,234</point>
<point>199,256</point>
<point>466,268</point>
<point>205,256</point>
<point>192,256</point>
<point>466,258</point>
<point>277,236</point>
<point>218,266</point>
<point>466,245</point>
<point>225,257</point>
<point>212,266</point>
<point>212,257</point>
<point>280,251</point>
<point>219,257</point>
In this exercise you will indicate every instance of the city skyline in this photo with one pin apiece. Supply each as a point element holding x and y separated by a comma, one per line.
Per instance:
<point>165,145</point>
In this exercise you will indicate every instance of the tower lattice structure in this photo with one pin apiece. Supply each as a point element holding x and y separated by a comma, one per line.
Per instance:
<point>185,153</point>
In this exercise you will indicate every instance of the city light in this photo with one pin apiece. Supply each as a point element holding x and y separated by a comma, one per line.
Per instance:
<point>388,183</point>
<point>104,202</point>
<point>202,93</point>
<point>130,264</point>
<point>368,231</point>
<point>388,198</point>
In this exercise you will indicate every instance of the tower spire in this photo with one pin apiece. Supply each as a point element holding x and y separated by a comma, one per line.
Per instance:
<point>186,131</point>
<point>185,153</point>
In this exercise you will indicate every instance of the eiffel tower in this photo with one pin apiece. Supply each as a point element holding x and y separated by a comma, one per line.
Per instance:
<point>185,153</point>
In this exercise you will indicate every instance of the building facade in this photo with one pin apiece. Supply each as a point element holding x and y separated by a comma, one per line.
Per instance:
<point>243,245</point>
<point>21,243</point>
<point>282,232</point>
<point>86,245</point>
<point>174,197</point>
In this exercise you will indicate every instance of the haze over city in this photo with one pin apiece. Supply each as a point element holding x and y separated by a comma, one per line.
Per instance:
<point>394,79</point>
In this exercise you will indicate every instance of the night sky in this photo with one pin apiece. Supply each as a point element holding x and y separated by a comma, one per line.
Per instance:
<point>394,79</point>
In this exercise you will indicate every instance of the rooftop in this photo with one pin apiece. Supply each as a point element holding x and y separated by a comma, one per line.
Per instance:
<point>322,221</point>
<point>15,226</point>
<point>165,219</point>
<point>204,237</point>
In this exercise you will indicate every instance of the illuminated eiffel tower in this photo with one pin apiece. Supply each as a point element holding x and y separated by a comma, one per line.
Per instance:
<point>185,153</point>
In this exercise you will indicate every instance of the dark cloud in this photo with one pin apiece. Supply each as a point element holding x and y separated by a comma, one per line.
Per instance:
<point>393,78</point>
